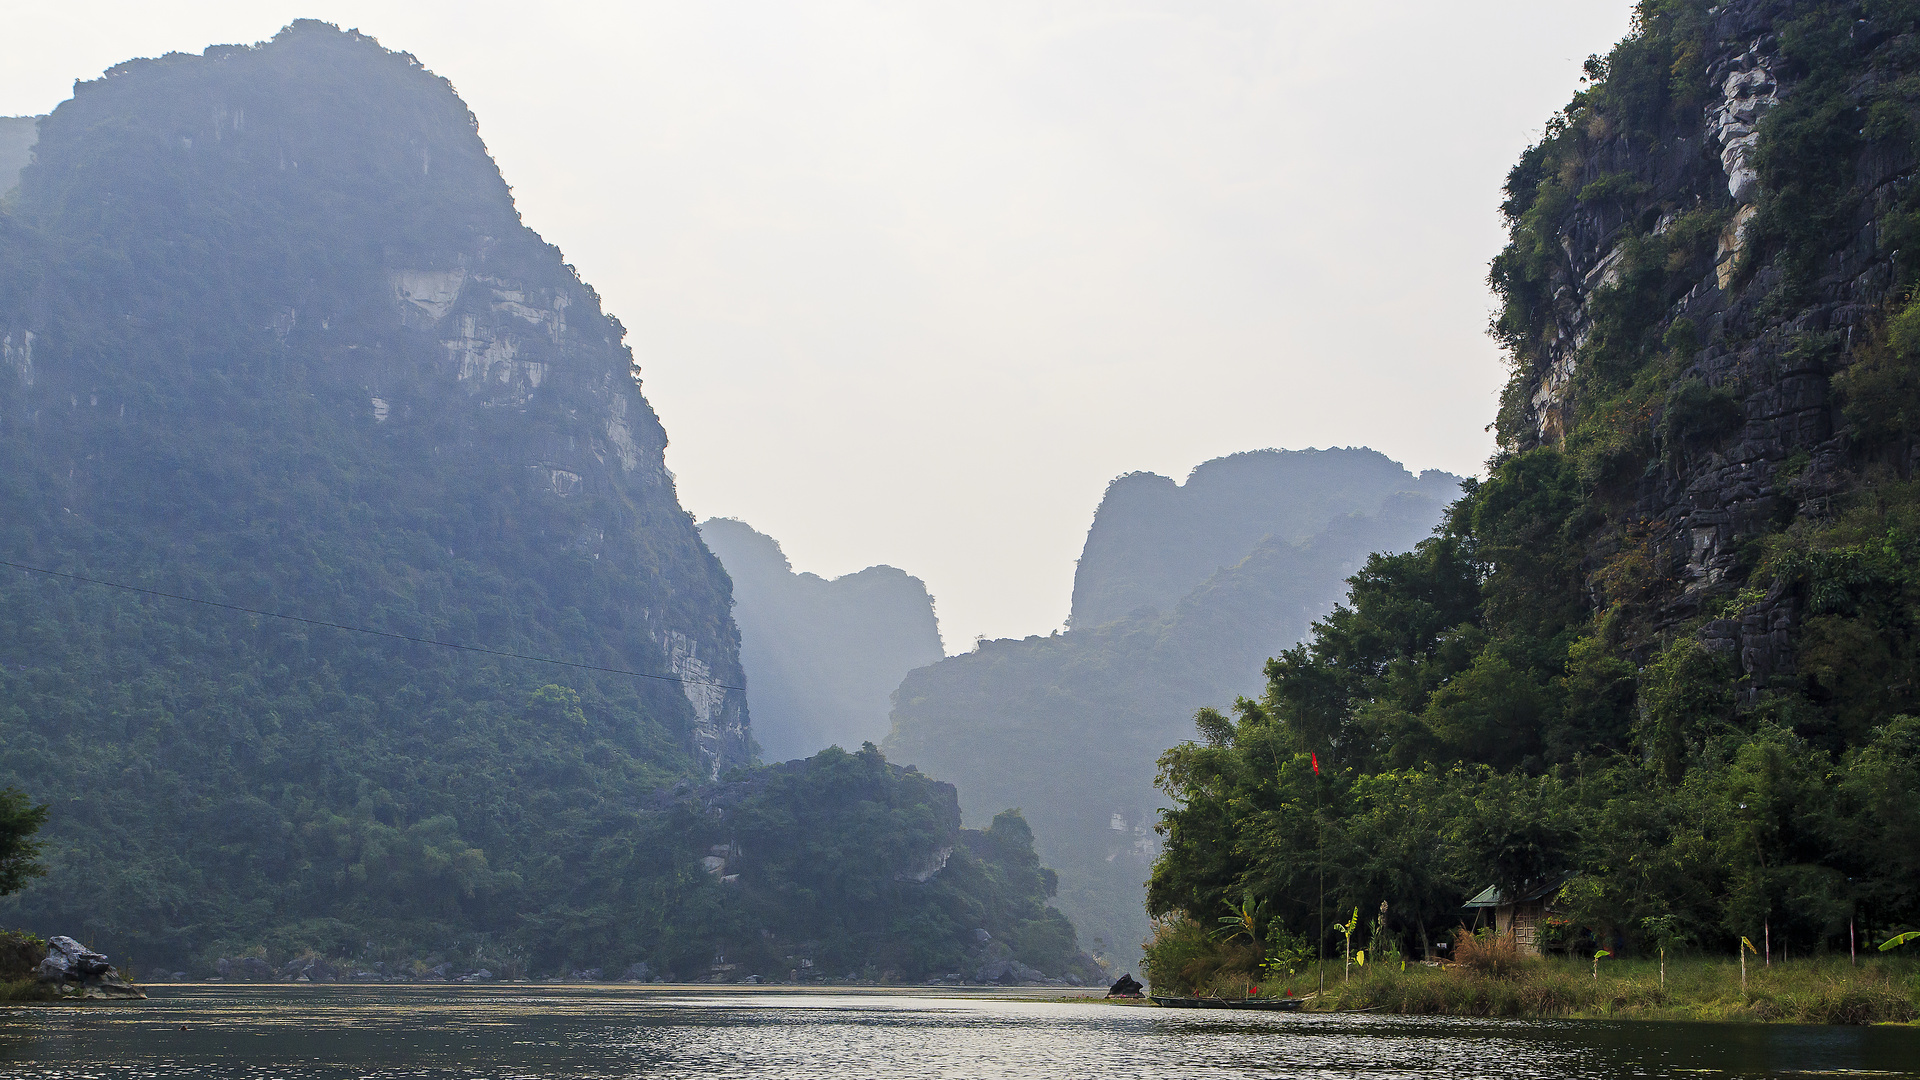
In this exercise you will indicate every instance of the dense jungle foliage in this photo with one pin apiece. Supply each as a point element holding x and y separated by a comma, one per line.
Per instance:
<point>861,870</point>
<point>20,819</point>
<point>1535,692</point>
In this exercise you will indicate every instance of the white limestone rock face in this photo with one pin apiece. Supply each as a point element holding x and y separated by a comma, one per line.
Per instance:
<point>505,343</point>
<point>426,296</point>
<point>1747,90</point>
<point>1748,84</point>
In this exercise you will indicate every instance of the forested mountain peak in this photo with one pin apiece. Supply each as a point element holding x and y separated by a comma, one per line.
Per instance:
<point>275,336</point>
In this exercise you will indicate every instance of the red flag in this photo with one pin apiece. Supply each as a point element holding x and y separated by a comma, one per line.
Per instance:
<point>1316,764</point>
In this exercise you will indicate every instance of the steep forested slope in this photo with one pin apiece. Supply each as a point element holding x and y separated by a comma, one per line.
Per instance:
<point>1068,727</point>
<point>822,657</point>
<point>1670,642</point>
<point>845,867</point>
<point>275,336</point>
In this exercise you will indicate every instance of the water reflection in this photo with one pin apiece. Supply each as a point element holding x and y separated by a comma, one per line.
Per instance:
<point>321,1033</point>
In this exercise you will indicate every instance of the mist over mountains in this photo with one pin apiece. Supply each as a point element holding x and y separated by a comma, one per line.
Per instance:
<point>822,657</point>
<point>273,336</point>
<point>1184,591</point>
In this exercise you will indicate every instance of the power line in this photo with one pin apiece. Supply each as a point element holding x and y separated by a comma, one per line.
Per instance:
<point>375,633</point>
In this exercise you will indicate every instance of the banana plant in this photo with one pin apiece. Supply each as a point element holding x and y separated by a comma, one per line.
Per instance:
<point>1596,962</point>
<point>1898,940</point>
<point>1246,919</point>
<point>1346,931</point>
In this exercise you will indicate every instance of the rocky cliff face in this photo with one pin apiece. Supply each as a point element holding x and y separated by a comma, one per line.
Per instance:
<point>1698,267</point>
<point>822,657</point>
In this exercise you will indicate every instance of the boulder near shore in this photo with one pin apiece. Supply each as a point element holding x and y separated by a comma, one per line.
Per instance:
<point>66,969</point>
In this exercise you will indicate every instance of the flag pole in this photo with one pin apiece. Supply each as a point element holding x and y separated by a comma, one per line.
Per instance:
<point>1320,858</point>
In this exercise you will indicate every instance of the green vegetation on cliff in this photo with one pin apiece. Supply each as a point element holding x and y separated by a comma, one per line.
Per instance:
<point>845,867</point>
<point>19,851</point>
<point>272,331</point>
<point>1669,644</point>
<point>272,335</point>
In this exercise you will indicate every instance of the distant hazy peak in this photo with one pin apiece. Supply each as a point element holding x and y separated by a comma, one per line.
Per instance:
<point>822,656</point>
<point>735,541</point>
<point>1153,540</point>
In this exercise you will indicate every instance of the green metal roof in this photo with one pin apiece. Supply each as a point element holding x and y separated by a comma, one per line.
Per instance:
<point>1489,897</point>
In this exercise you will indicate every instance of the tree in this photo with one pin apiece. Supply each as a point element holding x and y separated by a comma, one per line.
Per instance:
<point>19,851</point>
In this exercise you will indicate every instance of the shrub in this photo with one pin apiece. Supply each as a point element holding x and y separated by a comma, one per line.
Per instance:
<point>1184,958</point>
<point>1489,954</point>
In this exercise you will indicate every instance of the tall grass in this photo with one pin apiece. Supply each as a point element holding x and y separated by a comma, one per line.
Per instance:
<point>1813,991</point>
<point>1489,977</point>
<point>13,991</point>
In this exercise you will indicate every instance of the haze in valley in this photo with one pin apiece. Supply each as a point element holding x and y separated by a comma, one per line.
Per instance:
<point>910,284</point>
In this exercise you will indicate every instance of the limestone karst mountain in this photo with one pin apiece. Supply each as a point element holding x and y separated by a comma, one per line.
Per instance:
<point>1153,540</point>
<point>1671,644</point>
<point>822,657</point>
<point>274,335</point>
<point>1184,590</point>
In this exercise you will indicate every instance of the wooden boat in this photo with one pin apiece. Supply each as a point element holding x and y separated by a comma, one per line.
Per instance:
<point>1280,1004</point>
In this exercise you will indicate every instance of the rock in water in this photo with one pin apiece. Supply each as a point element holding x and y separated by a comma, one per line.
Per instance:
<point>75,957</point>
<point>79,972</point>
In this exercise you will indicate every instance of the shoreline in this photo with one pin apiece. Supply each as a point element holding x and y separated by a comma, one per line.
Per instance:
<point>1816,990</point>
<point>1360,997</point>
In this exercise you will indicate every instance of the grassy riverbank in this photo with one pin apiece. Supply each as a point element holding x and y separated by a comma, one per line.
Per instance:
<point>1826,990</point>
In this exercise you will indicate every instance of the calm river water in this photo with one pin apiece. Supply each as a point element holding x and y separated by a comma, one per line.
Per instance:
<point>624,1031</point>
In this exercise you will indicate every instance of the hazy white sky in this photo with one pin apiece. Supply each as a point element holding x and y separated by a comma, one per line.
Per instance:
<point>910,282</point>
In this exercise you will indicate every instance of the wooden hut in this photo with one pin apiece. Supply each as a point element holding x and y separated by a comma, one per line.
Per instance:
<point>1522,917</point>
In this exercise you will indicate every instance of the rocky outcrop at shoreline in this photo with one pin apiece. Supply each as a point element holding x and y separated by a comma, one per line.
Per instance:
<point>71,970</point>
